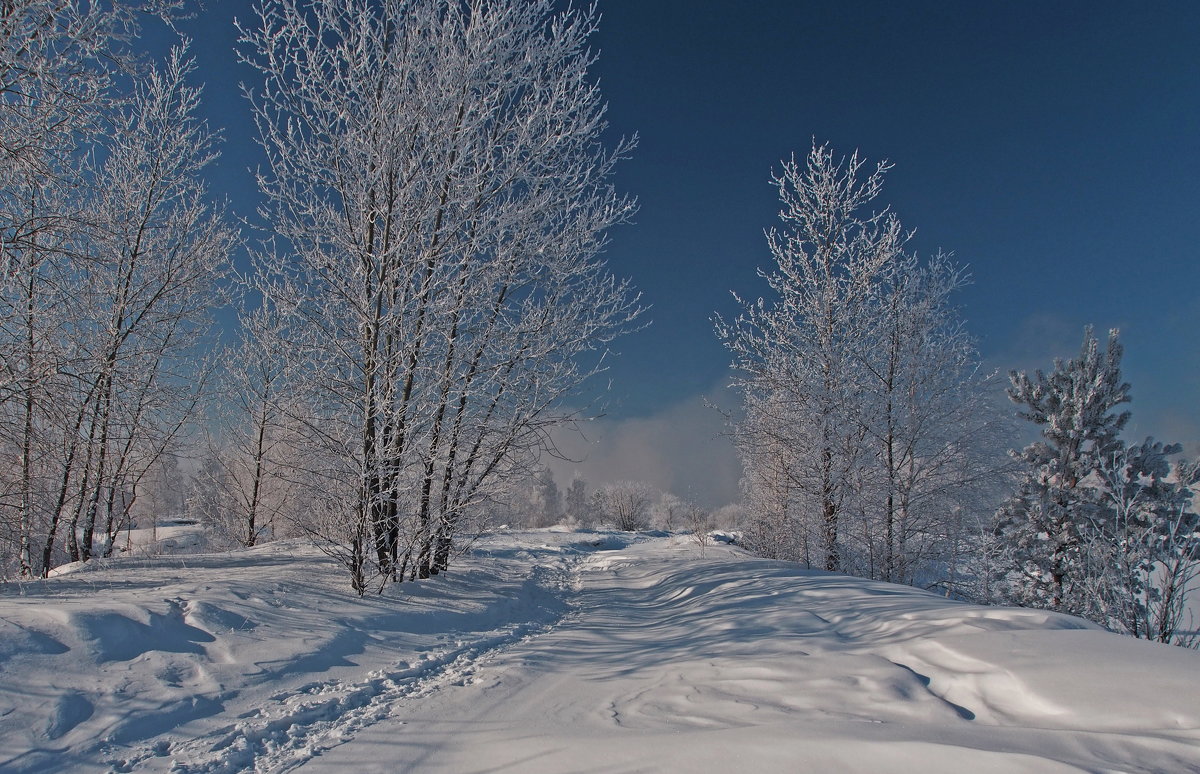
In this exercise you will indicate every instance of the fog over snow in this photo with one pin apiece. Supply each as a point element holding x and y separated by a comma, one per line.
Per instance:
<point>680,449</point>
<point>557,651</point>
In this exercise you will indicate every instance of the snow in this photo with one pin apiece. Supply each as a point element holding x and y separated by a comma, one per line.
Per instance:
<point>557,651</point>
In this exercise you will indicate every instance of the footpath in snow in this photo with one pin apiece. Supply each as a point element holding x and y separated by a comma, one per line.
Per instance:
<point>553,651</point>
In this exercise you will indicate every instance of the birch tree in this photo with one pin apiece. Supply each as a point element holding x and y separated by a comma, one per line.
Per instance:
<point>1142,556</point>
<point>933,435</point>
<point>58,62</point>
<point>625,504</point>
<point>118,318</point>
<point>866,415</point>
<point>439,195</point>
<point>154,257</point>
<point>242,490</point>
<point>798,355</point>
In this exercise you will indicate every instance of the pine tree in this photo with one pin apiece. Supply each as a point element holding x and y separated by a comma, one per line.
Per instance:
<point>577,503</point>
<point>1045,522</point>
<point>545,499</point>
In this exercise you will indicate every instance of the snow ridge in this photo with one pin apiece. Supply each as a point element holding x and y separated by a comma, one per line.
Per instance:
<point>551,651</point>
<point>299,724</point>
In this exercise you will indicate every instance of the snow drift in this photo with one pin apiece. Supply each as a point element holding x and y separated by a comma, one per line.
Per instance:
<point>559,651</point>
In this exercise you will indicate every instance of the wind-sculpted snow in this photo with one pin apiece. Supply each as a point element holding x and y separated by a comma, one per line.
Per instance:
<point>552,651</point>
<point>221,661</point>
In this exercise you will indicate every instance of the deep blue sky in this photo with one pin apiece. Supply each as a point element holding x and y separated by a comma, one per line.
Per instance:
<point>1054,147</point>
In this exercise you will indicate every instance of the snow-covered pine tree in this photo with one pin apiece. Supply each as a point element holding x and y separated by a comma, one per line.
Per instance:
<point>1045,521</point>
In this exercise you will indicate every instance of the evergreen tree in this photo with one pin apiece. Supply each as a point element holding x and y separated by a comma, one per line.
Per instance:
<point>1046,521</point>
<point>577,504</point>
<point>545,499</point>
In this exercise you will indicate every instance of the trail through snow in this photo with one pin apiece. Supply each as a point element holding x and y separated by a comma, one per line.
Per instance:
<point>554,651</point>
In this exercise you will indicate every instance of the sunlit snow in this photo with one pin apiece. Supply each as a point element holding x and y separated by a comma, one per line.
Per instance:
<point>558,651</point>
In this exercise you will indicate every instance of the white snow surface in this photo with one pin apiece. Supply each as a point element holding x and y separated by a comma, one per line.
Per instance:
<point>559,651</point>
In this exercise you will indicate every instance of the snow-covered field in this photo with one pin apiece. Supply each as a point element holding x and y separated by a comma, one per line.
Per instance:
<point>556,651</point>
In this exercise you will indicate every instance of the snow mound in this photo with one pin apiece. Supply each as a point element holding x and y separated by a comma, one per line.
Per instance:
<point>556,651</point>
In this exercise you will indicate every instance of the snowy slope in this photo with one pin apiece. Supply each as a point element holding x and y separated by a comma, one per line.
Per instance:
<point>553,651</point>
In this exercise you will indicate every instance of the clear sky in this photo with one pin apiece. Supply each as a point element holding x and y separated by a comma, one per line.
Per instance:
<point>1053,147</point>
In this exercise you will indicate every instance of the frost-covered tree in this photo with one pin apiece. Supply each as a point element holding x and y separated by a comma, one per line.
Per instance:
<point>798,356</point>
<point>869,429</point>
<point>243,487</point>
<point>439,195</point>
<point>166,488</point>
<point>668,512</point>
<point>698,520</point>
<point>58,60</point>
<point>933,435</point>
<point>731,516</point>
<point>207,497</point>
<point>866,416</point>
<point>625,504</point>
<point>577,503</point>
<point>545,499</point>
<point>153,260</point>
<point>1098,528</point>
<point>1142,555</point>
<point>779,528</point>
<point>1077,408</point>
<point>111,320</point>
<point>63,70</point>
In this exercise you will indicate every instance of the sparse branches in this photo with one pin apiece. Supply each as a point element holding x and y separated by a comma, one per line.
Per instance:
<point>699,521</point>
<point>626,504</point>
<point>242,490</point>
<point>105,315</point>
<point>668,512</point>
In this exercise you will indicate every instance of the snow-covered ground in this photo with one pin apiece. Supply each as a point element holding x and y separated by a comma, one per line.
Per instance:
<point>555,651</point>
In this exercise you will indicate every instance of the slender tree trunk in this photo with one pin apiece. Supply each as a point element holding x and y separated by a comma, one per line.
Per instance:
<point>93,506</point>
<point>85,479</point>
<point>56,513</point>
<point>26,526</point>
<point>256,483</point>
<point>829,511</point>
